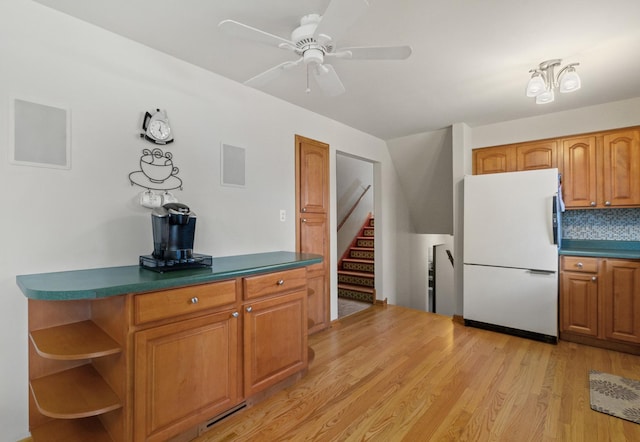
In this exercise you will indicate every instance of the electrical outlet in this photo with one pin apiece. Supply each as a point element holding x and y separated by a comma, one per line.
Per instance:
<point>283,215</point>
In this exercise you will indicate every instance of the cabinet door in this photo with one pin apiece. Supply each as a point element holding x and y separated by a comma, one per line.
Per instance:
<point>621,163</point>
<point>313,171</point>
<point>494,160</point>
<point>579,303</point>
<point>185,373</point>
<point>313,239</point>
<point>579,171</point>
<point>275,340</point>
<point>622,300</point>
<point>538,155</point>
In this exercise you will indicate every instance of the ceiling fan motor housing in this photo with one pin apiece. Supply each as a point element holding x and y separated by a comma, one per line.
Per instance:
<point>306,44</point>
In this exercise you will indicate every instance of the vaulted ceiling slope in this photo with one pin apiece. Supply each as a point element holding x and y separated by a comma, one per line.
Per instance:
<point>469,64</point>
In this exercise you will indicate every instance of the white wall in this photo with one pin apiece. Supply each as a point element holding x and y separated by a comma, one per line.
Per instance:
<point>88,216</point>
<point>423,162</point>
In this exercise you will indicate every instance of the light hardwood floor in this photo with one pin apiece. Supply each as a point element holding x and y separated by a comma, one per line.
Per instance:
<point>395,374</point>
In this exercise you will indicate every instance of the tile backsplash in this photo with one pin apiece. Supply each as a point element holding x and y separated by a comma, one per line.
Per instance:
<point>610,224</point>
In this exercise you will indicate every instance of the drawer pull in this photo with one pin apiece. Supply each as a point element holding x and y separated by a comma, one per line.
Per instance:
<point>593,204</point>
<point>280,282</point>
<point>579,265</point>
<point>235,314</point>
<point>249,309</point>
<point>607,203</point>
<point>194,300</point>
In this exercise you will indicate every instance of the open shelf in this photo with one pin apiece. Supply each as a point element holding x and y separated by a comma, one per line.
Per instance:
<point>75,393</point>
<point>79,340</point>
<point>75,430</point>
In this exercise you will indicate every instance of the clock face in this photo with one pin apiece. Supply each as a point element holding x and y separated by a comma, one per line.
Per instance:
<point>159,129</point>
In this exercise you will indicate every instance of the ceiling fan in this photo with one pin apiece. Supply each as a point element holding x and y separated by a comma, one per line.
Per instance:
<point>314,41</point>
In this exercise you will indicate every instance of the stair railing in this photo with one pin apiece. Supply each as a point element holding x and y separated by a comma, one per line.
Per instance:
<point>344,220</point>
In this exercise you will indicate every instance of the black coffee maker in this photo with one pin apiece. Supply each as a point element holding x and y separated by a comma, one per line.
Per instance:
<point>174,228</point>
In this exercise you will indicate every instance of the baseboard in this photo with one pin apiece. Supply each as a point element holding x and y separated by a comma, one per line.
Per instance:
<point>458,319</point>
<point>380,302</point>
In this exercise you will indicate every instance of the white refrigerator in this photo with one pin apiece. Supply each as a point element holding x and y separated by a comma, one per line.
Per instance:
<point>510,251</point>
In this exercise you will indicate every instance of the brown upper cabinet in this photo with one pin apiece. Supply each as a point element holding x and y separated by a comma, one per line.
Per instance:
<point>537,155</point>
<point>494,160</point>
<point>599,170</point>
<point>579,172</point>
<point>621,168</point>
<point>516,157</point>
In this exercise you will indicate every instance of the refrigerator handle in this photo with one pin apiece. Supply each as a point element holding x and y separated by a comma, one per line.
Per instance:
<point>554,218</point>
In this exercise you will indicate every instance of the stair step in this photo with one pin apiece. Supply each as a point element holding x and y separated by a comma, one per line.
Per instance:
<point>362,241</point>
<point>358,265</point>
<point>356,292</point>
<point>361,253</point>
<point>356,288</point>
<point>359,279</point>
<point>368,232</point>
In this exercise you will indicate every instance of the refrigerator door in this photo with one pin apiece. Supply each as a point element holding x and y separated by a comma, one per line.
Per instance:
<point>514,298</point>
<point>508,219</point>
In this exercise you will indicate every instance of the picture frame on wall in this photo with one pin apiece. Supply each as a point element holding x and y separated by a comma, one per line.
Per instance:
<point>41,134</point>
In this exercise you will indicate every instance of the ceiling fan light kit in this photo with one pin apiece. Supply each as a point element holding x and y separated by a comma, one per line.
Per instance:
<point>314,40</point>
<point>543,81</point>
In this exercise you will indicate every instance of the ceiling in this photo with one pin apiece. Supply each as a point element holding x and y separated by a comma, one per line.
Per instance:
<point>470,58</point>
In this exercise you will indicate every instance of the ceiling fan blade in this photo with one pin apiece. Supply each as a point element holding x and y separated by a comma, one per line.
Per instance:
<point>338,17</point>
<point>237,29</point>
<point>328,80</point>
<point>374,53</point>
<point>271,74</point>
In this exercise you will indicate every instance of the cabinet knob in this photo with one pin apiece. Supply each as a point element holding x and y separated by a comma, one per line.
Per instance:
<point>235,314</point>
<point>594,278</point>
<point>607,203</point>
<point>280,282</point>
<point>249,309</point>
<point>593,203</point>
<point>194,300</point>
<point>579,265</point>
<point>304,220</point>
<point>304,209</point>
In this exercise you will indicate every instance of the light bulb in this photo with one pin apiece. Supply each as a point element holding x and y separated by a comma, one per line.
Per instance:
<point>570,81</point>
<point>545,97</point>
<point>536,85</point>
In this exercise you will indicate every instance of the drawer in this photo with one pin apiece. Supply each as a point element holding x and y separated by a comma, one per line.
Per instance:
<point>270,283</point>
<point>579,264</point>
<point>181,301</point>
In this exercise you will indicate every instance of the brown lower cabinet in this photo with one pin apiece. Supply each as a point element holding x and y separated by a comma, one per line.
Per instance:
<point>153,366</point>
<point>600,302</point>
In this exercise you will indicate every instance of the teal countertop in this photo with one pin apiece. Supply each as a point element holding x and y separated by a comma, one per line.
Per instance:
<point>601,248</point>
<point>113,281</point>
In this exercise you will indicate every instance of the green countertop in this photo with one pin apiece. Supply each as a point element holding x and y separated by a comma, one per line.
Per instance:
<point>601,248</point>
<point>113,281</point>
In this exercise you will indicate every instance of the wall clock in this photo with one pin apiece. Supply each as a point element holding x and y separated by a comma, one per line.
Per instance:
<point>156,127</point>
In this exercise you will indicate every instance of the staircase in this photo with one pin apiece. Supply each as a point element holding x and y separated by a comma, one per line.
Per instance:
<point>356,279</point>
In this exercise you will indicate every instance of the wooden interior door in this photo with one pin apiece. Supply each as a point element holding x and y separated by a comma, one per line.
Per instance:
<point>312,227</point>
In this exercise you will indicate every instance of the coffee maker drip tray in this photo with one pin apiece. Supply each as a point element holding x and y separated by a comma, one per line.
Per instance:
<point>166,265</point>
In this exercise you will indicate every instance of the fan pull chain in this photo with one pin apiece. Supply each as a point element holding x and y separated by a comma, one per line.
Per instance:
<point>308,90</point>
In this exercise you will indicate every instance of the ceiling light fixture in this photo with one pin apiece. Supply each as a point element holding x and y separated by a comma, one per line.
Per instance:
<point>543,81</point>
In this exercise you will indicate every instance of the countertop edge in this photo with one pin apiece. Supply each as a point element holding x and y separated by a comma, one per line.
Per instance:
<point>182,278</point>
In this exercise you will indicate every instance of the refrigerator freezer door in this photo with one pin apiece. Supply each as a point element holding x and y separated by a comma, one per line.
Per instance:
<point>508,219</point>
<point>514,298</point>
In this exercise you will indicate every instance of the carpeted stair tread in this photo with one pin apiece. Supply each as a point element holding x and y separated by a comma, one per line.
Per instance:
<point>361,261</point>
<point>356,288</point>
<point>363,249</point>
<point>355,273</point>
